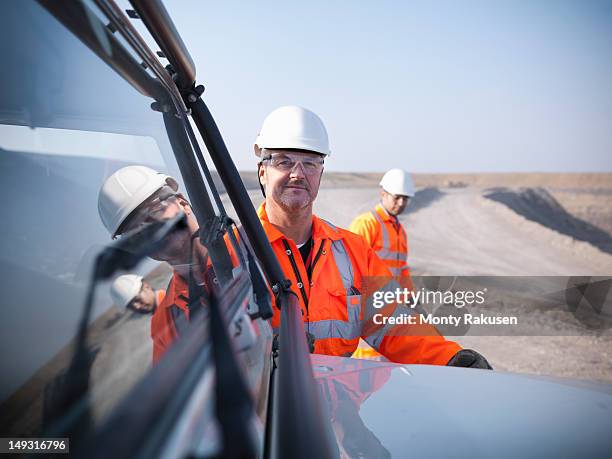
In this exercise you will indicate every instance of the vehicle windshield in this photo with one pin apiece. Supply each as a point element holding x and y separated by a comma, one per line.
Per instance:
<point>69,124</point>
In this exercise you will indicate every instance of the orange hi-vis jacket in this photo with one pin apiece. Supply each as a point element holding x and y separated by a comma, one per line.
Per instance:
<point>331,300</point>
<point>170,315</point>
<point>386,235</point>
<point>159,296</point>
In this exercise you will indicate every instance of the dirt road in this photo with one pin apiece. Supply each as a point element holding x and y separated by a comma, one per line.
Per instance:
<point>459,232</point>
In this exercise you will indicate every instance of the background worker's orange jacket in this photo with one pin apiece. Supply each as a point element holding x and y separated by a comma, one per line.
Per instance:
<point>386,235</point>
<point>331,300</point>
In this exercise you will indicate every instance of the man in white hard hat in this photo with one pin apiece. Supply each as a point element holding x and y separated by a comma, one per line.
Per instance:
<point>136,195</point>
<point>131,291</point>
<point>383,232</point>
<point>328,266</point>
<point>381,227</point>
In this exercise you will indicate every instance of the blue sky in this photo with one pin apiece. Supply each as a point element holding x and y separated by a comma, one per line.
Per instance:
<point>470,86</point>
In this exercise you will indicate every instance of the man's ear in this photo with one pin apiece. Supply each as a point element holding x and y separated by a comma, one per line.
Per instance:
<point>183,203</point>
<point>261,178</point>
<point>261,172</point>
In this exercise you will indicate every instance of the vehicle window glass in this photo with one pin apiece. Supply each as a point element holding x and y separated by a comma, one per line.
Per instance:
<point>68,123</point>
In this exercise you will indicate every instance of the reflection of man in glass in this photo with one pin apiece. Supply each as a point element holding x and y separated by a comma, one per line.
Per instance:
<point>131,291</point>
<point>344,394</point>
<point>134,196</point>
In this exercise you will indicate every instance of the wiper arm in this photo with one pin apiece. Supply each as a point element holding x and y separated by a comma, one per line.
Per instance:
<point>135,245</point>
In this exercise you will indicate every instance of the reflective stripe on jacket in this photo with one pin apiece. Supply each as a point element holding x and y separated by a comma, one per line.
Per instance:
<point>386,235</point>
<point>331,300</point>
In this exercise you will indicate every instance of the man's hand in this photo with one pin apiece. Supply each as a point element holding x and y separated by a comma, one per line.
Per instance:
<point>469,359</point>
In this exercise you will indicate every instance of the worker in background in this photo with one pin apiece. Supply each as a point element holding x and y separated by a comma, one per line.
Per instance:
<point>131,291</point>
<point>327,265</point>
<point>383,232</point>
<point>136,195</point>
<point>381,227</point>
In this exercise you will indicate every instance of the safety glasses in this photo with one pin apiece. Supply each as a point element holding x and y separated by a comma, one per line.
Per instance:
<point>286,162</point>
<point>398,197</point>
<point>152,209</point>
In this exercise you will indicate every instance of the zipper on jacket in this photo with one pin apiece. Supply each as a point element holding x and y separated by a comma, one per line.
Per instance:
<point>317,256</point>
<point>289,253</point>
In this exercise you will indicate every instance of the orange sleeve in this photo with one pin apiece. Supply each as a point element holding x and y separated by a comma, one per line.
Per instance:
<point>365,227</point>
<point>406,279</point>
<point>431,350</point>
<point>421,344</point>
<point>163,332</point>
<point>230,246</point>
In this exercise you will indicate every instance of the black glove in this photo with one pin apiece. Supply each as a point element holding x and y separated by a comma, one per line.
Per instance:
<point>469,359</point>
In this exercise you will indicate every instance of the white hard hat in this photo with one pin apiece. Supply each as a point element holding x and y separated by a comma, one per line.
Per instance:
<point>125,190</point>
<point>125,288</point>
<point>398,182</point>
<point>293,127</point>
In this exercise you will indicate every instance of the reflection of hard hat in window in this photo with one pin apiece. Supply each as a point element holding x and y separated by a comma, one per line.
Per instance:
<point>124,289</point>
<point>125,190</point>
<point>397,182</point>
<point>292,127</point>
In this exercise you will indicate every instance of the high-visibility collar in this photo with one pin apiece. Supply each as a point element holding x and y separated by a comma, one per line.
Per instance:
<point>380,210</point>
<point>320,228</point>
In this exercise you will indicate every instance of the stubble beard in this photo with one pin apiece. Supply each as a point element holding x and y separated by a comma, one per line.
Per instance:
<point>291,202</point>
<point>177,249</point>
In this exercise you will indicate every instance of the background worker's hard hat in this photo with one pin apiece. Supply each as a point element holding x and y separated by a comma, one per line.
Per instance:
<point>397,181</point>
<point>293,127</point>
<point>125,288</point>
<point>125,190</point>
